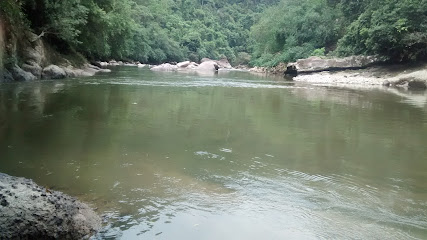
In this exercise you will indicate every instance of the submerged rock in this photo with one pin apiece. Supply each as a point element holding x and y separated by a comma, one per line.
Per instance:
<point>28,211</point>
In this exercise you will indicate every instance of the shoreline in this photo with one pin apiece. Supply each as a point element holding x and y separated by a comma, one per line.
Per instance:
<point>406,76</point>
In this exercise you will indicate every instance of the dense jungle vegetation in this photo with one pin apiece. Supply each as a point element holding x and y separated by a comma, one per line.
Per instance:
<point>256,32</point>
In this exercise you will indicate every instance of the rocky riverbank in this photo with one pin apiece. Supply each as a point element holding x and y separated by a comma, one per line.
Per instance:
<point>29,211</point>
<point>30,58</point>
<point>410,76</point>
<point>406,76</point>
<point>354,70</point>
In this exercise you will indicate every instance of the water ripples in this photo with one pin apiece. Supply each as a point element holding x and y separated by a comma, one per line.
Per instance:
<point>200,82</point>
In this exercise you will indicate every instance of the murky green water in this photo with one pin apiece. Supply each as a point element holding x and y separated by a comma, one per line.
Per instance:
<point>228,156</point>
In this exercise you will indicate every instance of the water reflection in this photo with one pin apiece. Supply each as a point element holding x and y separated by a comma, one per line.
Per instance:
<point>233,155</point>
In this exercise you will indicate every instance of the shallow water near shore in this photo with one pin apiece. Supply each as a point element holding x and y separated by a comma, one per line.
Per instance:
<point>166,155</point>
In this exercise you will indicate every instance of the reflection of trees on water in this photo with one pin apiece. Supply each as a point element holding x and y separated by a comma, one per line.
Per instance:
<point>52,122</point>
<point>377,129</point>
<point>319,131</point>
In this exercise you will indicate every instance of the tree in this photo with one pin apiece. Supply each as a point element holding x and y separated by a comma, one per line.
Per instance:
<point>394,29</point>
<point>292,30</point>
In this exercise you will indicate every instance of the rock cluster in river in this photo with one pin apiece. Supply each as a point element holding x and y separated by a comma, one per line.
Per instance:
<point>205,65</point>
<point>29,211</point>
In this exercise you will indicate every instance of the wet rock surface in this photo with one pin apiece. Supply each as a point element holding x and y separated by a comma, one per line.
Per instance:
<point>29,211</point>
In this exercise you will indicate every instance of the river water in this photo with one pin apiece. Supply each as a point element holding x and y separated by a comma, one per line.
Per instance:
<point>223,156</point>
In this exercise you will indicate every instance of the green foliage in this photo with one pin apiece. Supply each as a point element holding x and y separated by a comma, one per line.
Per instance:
<point>110,31</point>
<point>12,12</point>
<point>396,29</point>
<point>258,32</point>
<point>293,30</point>
<point>64,18</point>
<point>242,58</point>
<point>320,52</point>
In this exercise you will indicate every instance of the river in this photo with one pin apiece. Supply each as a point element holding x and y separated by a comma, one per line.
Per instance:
<point>223,156</point>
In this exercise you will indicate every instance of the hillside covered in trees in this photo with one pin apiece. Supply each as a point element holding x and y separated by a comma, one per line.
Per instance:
<point>256,32</point>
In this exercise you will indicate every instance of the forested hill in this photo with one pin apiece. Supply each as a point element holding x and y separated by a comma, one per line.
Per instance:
<point>152,31</point>
<point>262,32</point>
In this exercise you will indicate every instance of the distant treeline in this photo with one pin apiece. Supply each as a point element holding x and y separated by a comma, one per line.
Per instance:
<point>259,32</point>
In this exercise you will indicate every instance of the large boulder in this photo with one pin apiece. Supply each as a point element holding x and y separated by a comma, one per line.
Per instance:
<point>183,64</point>
<point>29,211</point>
<point>192,66</point>
<point>165,67</point>
<point>33,68</point>
<point>408,82</point>
<point>205,60</point>
<point>22,76</point>
<point>223,63</point>
<point>103,64</point>
<point>317,64</point>
<point>53,72</point>
<point>208,66</point>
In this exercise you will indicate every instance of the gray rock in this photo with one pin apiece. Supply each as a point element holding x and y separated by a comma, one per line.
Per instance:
<point>33,68</point>
<point>223,63</point>
<point>192,66</point>
<point>317,64</point>
<point>165,67</point>
<point>28,211</point>
<point>70,71</point>
<point>35,51</point>
<point>32,55</point>
<point>386,83</point>
<point>183,64</point>
<point>208,66</point>
<point>53,72</point>
<point>22,76</point>
<point>417,84</point>
<point>205,60</point>
<point>103,64</point>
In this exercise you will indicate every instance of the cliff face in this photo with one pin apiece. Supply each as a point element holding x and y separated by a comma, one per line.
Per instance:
<point>2,46</point>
